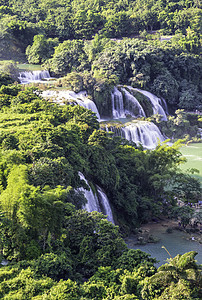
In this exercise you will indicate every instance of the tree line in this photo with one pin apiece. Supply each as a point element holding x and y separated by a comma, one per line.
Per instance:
<point>83,19</point>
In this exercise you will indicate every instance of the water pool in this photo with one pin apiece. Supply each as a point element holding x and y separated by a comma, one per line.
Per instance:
<point>177,242</point>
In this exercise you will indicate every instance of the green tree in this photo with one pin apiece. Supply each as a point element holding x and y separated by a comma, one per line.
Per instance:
<point>68,56</point>
<point>185,213</point>
<point>86,23</point>
<point>133,259</point>
<point>51,172</point>
<point>41,49</point>
<point>180,275</point>
<point>64,290</point>
<point>117,25</point>
<point>93,240</point>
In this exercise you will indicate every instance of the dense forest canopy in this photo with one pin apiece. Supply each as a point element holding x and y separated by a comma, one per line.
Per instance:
<point>164,69</point>
<point>82,19</point>
<point>50,139</point>
<point>63,20</point>
<point>83,37</point>
<point>77,36</point>
<point>55,249</point>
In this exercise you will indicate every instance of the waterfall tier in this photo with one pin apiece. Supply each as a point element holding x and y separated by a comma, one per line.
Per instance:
<point>80,98</point>
<point>118,110</point>
<point>125,102</point>
<point>141,132</point>
<point>98,201</point>
<point>157,104</point>
<point>34,76</point>
<point>104,204</point>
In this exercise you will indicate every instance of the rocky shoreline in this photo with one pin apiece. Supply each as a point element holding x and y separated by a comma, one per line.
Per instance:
<point>146,233</point>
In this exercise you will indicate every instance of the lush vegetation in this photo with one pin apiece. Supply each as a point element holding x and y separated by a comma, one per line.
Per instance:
<point>76,36</point>
<point>43,147</point>
<point>134,277</point>
<point>164,69</point>
<point>82,19</point>
<point>180,125</point>
<point>55,249</point>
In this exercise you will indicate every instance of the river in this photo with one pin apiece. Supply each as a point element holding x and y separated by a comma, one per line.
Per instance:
<point>193,154</point>
<point>177,242</point>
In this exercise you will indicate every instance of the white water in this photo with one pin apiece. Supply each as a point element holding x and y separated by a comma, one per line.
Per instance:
<point>129,105</point>
<point>117,104</point>
<point>34,76</point>
<point>80,98</point>
<point>156,103</point>
<point>123,102</point>
<point>142,132</point>
<point>104,202</point>
<point>132,106</point>
<point>98,203</point>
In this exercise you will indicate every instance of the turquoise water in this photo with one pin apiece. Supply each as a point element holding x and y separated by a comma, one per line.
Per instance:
<point>176,243</point>
<point>193,154</point>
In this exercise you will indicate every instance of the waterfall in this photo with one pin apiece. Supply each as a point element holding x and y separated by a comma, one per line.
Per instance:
<point>80,98</point>
<point>104,203</point>
<point>145,133</point>
<point>117,104</point>
<point>124,103</point>
<point>127,105</point>
<point>142,132</point>
<point>132,106</point>
<point>96,202</point>
<point>34,76</point>
<point>92,200</point>
<point>156,102</point>
<point>164,105</point>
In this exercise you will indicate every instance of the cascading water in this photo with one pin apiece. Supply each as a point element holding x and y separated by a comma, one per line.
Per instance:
<point>104,203</point>
<point>125,103</point>
<point>92,200</point>
<point>165,107</point>
<point>96,202</point>
<point>34,76</point>
<point>142,132</point>
<point>132,106</point>
<point>117,104</point>
<point>77,98</point>
<point>156,103</point>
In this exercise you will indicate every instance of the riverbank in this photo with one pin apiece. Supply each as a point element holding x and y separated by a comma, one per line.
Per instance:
<point>151,237</point>
<point>146,233</point>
